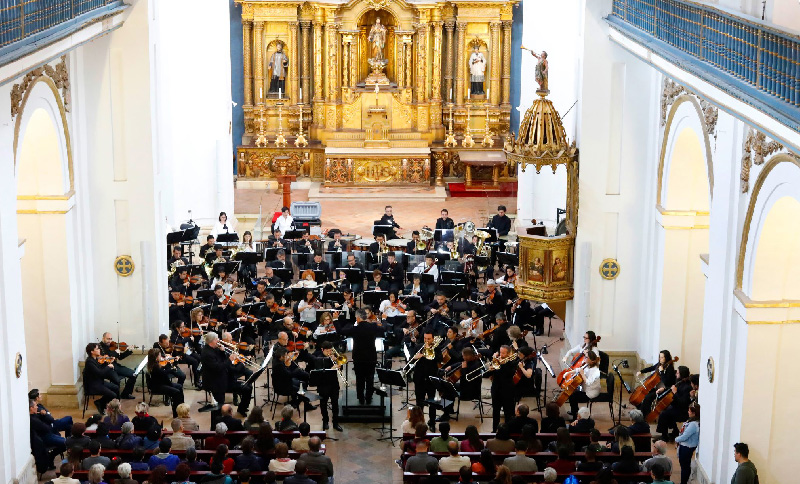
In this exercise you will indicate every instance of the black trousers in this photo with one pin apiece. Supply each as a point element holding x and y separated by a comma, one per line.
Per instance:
<point>576,398</point>
<point>175,394</point>
<point>668,420</point>
<point>193,361</point>
<point>108,392</point>
<point>127,374</point>
<point>245,393</point>
<point>425,390</point>
<point>647,404</point>
<point>177,373</point>
<point>323,407</point>
<point>365,376</point>
<point>502,401</point>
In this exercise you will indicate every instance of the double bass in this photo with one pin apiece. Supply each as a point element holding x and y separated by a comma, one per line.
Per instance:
<point>577,362</point>
<point>652,381</point>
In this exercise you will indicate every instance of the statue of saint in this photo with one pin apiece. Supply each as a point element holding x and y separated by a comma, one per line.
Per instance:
<point>277,66</point>
<point>377,39</point>
<point>477,69</point>
<point>541,73</point>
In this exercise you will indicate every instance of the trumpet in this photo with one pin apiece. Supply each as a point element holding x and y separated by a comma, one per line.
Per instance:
<point>428,352</point>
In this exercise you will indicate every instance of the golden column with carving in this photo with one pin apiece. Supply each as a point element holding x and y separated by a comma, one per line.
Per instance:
<point>448,66</point>
<point>436,82</point>
<point>305,75</point>
<point>400,71</point>
<point>353,53</point>
<point>293,82</point>
<point>422,61</point>
<point>506,62</point>
<point>247,54</point>
<point>332,60</point>
<point>258,36</point>
<point>319,95</point>
<point>494,29</point>
<point>461,28</point>
<point>409,43</point>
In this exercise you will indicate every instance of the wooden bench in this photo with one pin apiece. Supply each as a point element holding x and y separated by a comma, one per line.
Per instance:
<point>141,476</point>
<point>204,455</point>
<point>642,442</point>
<point>583,477</point>
<point>234,436</point>
<point>541,457</point>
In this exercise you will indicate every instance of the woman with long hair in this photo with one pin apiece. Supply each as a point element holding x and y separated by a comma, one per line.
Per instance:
<point>160,381</point>
<point>666,372</point>
<point>254,419</point>
<point>503,476</point>
<point>307,309</point>
<point>687,442</point>
<point>247,272</point>
<point>265,440</point>
<point>414,416</point>
<point>485,465</point>
<point>472,440</point>
<point>157,476</point>
<point>221,455</point>
<point>114,416</point>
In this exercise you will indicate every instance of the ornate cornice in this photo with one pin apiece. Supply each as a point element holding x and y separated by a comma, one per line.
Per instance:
<point>755,150</point>
<point>60,76</point>
<point>671,90</point>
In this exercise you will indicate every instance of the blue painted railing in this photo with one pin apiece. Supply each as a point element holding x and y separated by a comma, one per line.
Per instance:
<point>23,19</point>
<point>755,54</point>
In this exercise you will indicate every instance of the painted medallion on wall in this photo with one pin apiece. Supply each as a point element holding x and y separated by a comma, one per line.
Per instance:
<point>609,269</point>
<point>123,265</point>
<point>18,365</point>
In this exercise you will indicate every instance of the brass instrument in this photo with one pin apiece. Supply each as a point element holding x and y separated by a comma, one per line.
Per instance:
<point>428,352</point>
<point>232,349</point>
<point>339,361</point>
<point>478,372</point>
<point>174,267</point>
<point>482,250</point>
<point>498,362</point>
<point>421,245</point>
<point>454,252</point>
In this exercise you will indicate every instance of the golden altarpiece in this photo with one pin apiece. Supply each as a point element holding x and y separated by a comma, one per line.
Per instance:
<point>375,91</point>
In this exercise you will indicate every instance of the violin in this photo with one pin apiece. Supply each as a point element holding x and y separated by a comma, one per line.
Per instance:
<point>281,310</point>
<point>103,359</point>
<point>293,346</point>
<point>652,381</point>
<point>123,347</point>
<point>244,346</point>
<point>181,299</point>
<point>185,332</point>
<point>569,385</point>
<point>167,360</point>
<point>300,330</point>
<point>196,279</point>
<point>227,301</point>
<point>177,348</point>
<point>577,362</point>
<point>490,297</point>
<point>247,318</point>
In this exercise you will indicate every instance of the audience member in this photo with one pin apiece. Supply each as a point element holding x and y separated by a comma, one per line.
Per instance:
<point>594,441</point>
<point>659,451</point>
<point>114,416</point>
<point>221,455</point>
<point>501,443</point>
<point>180,441</point>
<point>282,462</point>
<point>92,421</point>
<point>300,444</point>
<point>563,465</point>
<point>101,435</point>
<point>286,424</point>
<point>419,461</point>
<point>216,476</point>
<point>247,459</point>
<point>529,436</point>
<point>604,476</point>
<point>317,461</point>
<point>137,459</point>
<point>233,423</point>
<point>183,474</point>
<point>472,440</point>
<point>550,474</point>
<point>465,475</point>
<point>265,442</point>
<point>124,471</point>
<point>440,443</point>
<point>414,416</point>
<point>688,441</point>
<point>521,462</point>
<point>583,423</point>
<point>638,425</point>
<point>502,476</point>
<point>563,439</point>
<point>299,476</point>
<point>95,457</point>
<point>244,476</point>
<point>254,419</point>
<point>164,458</point>
<point>127,440</point>
<point>521,419</point>
<point>627,462</point>
<point>218,438</point>
<point>433,476</point>
<point>553,419</point>
<point>590,463</point>
<point>77,437</point>
<point>622,438</point>
<point>746,472</point>
<point>189,424</point>
<point>485,465</point>
<point>453,462</point>
<point>420,433</point>
<point>157,476</point>
<point>192,461</point>
<point>65,476</point>
<point>143,421</point>
<point>96,474</point>
<point>152,438</point>
<point>658,475</point>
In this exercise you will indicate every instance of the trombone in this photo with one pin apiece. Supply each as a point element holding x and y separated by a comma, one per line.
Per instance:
<point>428,352</point>
<point>232,349</point>
<point>339,361</point>
<point>478,372</point>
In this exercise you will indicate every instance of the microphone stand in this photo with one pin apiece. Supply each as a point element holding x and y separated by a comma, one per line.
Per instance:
<point>548,370</point>
<point>623,384</point>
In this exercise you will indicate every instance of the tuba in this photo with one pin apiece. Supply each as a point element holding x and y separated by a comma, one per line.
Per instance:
<point>482,250</point>
<point>174,267</point>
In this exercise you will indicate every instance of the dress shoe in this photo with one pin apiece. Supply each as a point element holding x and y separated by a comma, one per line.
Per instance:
<point>361,401</point>
<point>127,397</point>
<point>443,418</point>
<point>311,408</point>
<point>325,426</point>
<point>338,427</point>
<point>101,409</point>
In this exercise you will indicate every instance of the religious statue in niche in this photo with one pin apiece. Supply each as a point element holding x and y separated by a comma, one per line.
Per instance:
<point>377,40</point>
<point>477,70</point>
<point>277,67</point>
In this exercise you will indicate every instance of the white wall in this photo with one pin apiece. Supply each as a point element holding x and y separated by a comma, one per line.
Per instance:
<point>193,108</point>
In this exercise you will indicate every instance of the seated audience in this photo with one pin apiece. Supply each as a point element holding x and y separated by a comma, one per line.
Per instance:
<point>317,461</point>
<point>95,457</point>
<point>96,474</point>
<point>233,423</point>
<point>101,435</point>
<point>589,463</point>
<point>563,439</point>
<point>248,460</point>
<point>622,438</point>
<point>659,451</point>
<point>421,433</point>
<point>627,462</point>
<point>485,464</point>
<point>414,416</point>
<point>282,462</point>
<point>658,475</point>
<point>563,465</point>
<point>143,421</point>
<point>299,476</point>
<point>180,441</point>
<point>553,419</point>
<point>183,474</point>
<point>286,424</point>
<point>433,476</point>
<point>472,440</point>
<point>192,461</point>
<point>583,423</point>
<point>418,462</point>
<point>521,419</point>
<point>77,437</point>
<point>529,436</point>
<point>521,462</point>
<point>440,443</point>
<point>152,438</point>
<point>189,425</point>
<point>254,419</point>
<point>604,476</point>
<point>157,476</point>
<point>124,471</point>
<point>65,476</point>
<point>137,460</point>
<point>221,455</point>
<point>218,438</point>
<point>550,474</point>
<point>127,440</point>
<point>163,457</point>
<point>453,462</point>
<point>300,444</point>
<point>501,443</point>
<point>502,476</point>
<point>114,416</point>
<point>216,476</point>
<point>265,441</point>
<point>639,425</point>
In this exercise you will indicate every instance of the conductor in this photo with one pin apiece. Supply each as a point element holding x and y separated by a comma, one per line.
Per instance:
<point>364,334</point>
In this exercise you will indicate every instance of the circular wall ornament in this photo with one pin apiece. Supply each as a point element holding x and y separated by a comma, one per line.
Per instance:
<point>123,265</point>
<point>18,365</point>
<point>710,369</point>
<point>609,269</point>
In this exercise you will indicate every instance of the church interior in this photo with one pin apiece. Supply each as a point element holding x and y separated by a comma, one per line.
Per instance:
<point>580,219</point>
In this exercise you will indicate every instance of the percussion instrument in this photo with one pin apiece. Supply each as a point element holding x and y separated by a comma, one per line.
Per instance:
<point>398,245</point>
<point>362,244</point>
<point>511,247</point>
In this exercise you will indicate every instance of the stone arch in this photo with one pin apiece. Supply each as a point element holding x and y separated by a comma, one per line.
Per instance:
<point>780,178</point>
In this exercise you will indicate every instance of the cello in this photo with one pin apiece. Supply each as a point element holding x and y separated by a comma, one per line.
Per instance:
<point>662,401</point>
<point>652,381</point>
<point>571,382</point>
<point>577,362</point>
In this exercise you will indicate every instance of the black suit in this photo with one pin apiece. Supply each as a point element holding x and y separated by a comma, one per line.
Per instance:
<point>515,424</point>
<point>502,394</point>
<point>328,391</point>
<point>287,379</point>
<point>215,378</point>
<point>321,266</point>
<point>382,285</point>
<point>120,370</point>
<point>285,264</point>
<point>411,248</point>
<point>668,379</point>
<point>444,223</point>
<point>94,382</point>
<point>364,355</point>
<point>501,224</point>
<point>332,246</point>
<point>396,275</point>
<point>423,387</point>
<point>233,423</point>
<point>160,382</point>
<point>389,220</point>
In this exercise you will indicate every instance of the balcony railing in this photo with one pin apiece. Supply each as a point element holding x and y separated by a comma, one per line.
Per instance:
<point>756,55</point>
<point>27,21</point>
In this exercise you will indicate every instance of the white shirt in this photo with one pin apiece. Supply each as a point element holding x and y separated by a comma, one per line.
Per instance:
<point>453,463</point>
<point>284,224</point>
<point>389,310</point>
<point>226,286</point>
<point>467,325</point>
<point>416,290</point>
<point>592,384</point>
<point>246,248</point>
<point>218,228</point>
<point>434,271</point>
<point>276,465</point>
<point>308,313</point>
<point>573,352</point>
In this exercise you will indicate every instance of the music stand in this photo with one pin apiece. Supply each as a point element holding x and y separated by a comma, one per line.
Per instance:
<point>267,359</point>
<point>374,298</point>
<point>184,237</point>
<point>136,374</point>
<point>507,259</point>
<point>425,279</point>
<point>443,235</point>
<point>332,297</point>
<point>379,228</point>
<point>354,275</point>
<point>623,384</point>
<point>414,302</point>
<point>451,277</point>
<point>447,394</point>
<point>320,276</point>
<point>204,294</point>
<point>271,253</point>
<point>247,258</point>
<point>392,378</point>
<point>549,369</point>
<point>335,257</point>
<point>293,234</point>
<point>228,238</point>
<point>284,274</point>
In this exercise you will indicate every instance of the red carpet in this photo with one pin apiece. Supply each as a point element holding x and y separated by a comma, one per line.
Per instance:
<point>507,189</point>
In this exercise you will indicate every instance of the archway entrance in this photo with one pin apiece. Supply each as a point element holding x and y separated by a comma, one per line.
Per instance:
<point>682,227</point>
<point>45,222</point>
